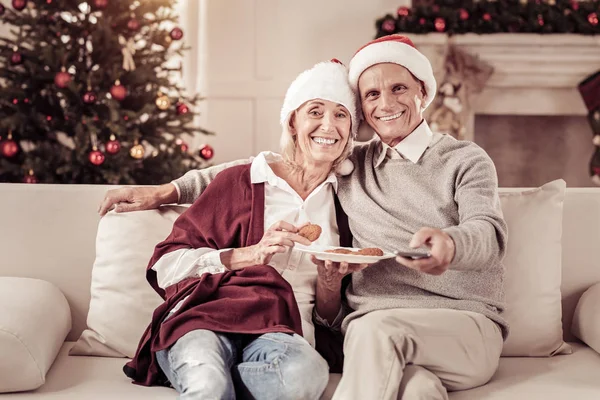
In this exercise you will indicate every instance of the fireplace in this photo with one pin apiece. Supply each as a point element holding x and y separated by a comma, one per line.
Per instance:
<point>532,150</point>
<point>530,117</point>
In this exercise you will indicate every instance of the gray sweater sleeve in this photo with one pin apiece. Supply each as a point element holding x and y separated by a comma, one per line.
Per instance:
<point>480,237</point>
<point>191,185</point>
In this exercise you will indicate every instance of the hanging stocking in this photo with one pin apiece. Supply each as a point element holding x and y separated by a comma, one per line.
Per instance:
<point>590,92</point>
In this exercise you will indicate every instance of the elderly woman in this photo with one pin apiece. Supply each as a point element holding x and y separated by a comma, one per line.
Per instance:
<point>237,320</point>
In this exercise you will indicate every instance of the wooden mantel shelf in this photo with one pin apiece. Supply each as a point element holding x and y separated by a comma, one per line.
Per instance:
<point>533,74</point>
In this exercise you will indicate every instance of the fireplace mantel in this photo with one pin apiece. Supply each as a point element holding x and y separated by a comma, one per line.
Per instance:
<point>533,74</point>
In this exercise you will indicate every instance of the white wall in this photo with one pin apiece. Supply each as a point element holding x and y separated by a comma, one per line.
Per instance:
<point>248,52</point>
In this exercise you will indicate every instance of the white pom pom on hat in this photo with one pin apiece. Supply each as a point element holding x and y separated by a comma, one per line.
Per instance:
<point>327,81</point>
<point>396,49</point>
<point>345,168</point>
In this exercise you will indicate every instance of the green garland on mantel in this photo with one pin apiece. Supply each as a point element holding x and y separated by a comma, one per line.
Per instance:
<point>493,16</point>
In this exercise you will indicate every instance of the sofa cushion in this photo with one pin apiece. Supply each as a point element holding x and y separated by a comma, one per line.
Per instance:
<point>35,319</point>
<point>533,270</point>
<point>91,378</point>
<point>122,301</point>
<point>586,320</point>
<point>571,377</point>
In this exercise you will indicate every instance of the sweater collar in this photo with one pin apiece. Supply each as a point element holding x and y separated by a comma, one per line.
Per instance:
<point>411,147</point>
<point>260,171</point>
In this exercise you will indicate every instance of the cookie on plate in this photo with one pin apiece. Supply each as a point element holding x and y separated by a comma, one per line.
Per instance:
<point>370,251</point>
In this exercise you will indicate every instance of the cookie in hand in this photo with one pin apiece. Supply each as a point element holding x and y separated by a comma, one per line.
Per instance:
<point>310,231</point>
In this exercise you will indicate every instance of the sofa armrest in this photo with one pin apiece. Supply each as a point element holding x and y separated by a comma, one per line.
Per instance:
<point>586,320</point>
<point>35,318</point>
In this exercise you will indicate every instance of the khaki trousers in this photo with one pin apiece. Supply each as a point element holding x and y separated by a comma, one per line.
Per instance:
<point>417,354</point>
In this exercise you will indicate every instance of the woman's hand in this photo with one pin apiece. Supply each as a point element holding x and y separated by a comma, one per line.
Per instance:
<point>277,239</point>
<point>330,273</point>
<point>329,284</point>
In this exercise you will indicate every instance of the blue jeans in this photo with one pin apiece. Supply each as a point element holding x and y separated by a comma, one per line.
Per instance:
<point>206,365</point>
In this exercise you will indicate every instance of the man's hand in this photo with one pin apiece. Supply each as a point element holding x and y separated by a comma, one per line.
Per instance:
<point>137,198</point>
<point>330,274</point>
<point>442,251</point>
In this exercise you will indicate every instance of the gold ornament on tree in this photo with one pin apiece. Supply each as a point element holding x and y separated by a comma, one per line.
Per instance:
<point>137,151</point>
<point>163,102</point>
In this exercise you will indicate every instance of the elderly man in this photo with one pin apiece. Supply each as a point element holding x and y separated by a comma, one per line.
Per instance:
<point>414,328</point>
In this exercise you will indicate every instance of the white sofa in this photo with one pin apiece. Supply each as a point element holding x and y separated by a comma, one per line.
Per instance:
<point>48,232</point>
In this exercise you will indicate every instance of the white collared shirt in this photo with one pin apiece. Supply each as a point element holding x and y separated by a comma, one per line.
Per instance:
<point>411,147</point>
<point>281,203</point>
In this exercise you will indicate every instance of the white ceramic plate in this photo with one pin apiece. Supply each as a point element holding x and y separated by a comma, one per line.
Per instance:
<point>320,253</point>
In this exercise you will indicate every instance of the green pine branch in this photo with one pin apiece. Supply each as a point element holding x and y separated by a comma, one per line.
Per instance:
<point>494,16</point>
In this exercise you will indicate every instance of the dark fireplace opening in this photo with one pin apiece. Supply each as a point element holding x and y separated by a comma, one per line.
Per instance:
<point>529,151</point>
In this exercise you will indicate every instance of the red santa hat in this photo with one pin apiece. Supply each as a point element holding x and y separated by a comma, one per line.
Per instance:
<point>396,49</point>
<point>327,81</point>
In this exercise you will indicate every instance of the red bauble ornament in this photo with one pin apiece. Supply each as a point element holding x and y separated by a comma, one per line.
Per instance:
<point>206,152</point>
<point>118,91</point>
<point>16,58</point>
<point>100,4</point>
<point>62,79</point>
<point>575,5</point>
<point>593,19</point>
<point>182,109</point>
<point>96,157</point>
<point>184,146</point>
<point>388,26</point>
<point>540,20</point>
<point>422,21</point>
<point>113,146</point>
<point>487,17</point>
<point>133,24</point>
<point>30,177</point>
<point>440,24</point>
<point>9,148</point>
<point>463,14</point>
<point>89,97</point>
<point>19,4</point>
<point>176,34</point>
<point>403,11</point>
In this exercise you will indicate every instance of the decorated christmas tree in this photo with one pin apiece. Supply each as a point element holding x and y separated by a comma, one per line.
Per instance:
<point>88,93</point>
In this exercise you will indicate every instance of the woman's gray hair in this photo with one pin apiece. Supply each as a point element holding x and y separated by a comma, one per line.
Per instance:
<point>288,145</point>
